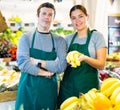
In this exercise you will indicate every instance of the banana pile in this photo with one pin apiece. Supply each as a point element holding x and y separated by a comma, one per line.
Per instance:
<point>107,98</point>
<point>72,58</point>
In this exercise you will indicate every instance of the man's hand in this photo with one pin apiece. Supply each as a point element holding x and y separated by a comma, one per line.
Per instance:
<point>47,74</point>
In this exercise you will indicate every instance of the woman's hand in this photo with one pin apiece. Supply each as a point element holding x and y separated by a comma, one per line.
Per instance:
<point>76,61</point>
<point>82,57</point>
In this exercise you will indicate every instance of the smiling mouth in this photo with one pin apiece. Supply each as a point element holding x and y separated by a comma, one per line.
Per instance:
<point>78,24</point>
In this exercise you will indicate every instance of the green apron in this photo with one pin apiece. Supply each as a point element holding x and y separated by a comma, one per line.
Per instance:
<point>81,79</point>
<point>37,92</point>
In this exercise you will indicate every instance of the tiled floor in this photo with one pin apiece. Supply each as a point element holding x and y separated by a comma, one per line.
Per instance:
<point>10,105</point>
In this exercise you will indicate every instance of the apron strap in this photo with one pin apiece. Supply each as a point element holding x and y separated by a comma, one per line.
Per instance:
<point>89,33</point>
<point>33,39</point>
<point>73,39</point>
<point>52,42</point>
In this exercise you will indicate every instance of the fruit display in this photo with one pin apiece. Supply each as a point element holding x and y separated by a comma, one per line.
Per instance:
<point>62,31</point>
<point>103,74</point>
<point>13,51</point>
<point>113,56</point>
<point>72,58</point>
<point>15,19</point>
<point>112,69</point>
<point>4,46</point>
<point>106,98</point>
<point>9,80</point>
<point>9,42</point>
<point>8,84</point>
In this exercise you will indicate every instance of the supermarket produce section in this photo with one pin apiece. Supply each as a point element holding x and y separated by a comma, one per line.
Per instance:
<point>109,93</point>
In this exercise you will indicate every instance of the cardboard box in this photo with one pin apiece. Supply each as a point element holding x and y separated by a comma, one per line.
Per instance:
<point>3,24</point>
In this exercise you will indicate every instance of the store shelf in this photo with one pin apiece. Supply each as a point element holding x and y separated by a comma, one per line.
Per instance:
<point>27,26</point>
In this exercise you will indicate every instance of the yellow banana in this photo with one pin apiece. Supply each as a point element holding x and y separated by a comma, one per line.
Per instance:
<point>70,54</point>
<point>76,52</point>
<point>77,63</point>
<point>82,100</point>
<point>85,102</point>
<point>93,90</point>
<point>101,102</point>
<point>107,83</point>
<point>73,64</point>
<point>68,59</point>
<point>116,107</point>
<point>108,92</point>
<point>76,59</point>
<point>92,94</point>
<point>76,55</point>
<point>73,106</point>
<point>117,100</point>
<point>115,93</point>
<point>89,100</point>
<point>68,101</point>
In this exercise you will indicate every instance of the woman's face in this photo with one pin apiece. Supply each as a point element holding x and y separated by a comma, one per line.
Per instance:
<point>45,18</point>
<point>79,19</point>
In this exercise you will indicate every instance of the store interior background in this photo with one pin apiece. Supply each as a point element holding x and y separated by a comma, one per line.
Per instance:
<point>98,11</point>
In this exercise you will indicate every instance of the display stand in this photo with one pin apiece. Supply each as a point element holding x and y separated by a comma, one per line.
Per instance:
<point>113,33</point>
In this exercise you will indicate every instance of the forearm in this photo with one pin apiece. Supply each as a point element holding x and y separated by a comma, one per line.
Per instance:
<point>96,63</point>
<point>44,73</point>
<point>56,66</point>
<point>25,65</point>
<point>31,68</point>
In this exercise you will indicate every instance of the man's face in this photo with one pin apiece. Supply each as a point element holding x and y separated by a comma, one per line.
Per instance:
<point>45,17</point>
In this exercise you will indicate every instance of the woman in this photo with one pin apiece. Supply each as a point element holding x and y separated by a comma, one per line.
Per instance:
<point>40,56</point>
<point>93,47</point>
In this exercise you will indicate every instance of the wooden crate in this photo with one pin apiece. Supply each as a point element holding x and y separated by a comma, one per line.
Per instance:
<point>7,96</point>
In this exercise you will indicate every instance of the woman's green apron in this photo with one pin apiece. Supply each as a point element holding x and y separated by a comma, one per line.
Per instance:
<point>81,79</point>
<point>37,92</point>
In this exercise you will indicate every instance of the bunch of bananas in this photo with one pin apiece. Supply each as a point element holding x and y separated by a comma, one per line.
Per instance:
<point>72,58</point>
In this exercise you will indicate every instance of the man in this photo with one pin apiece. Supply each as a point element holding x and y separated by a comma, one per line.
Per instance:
<point>40,56</point>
